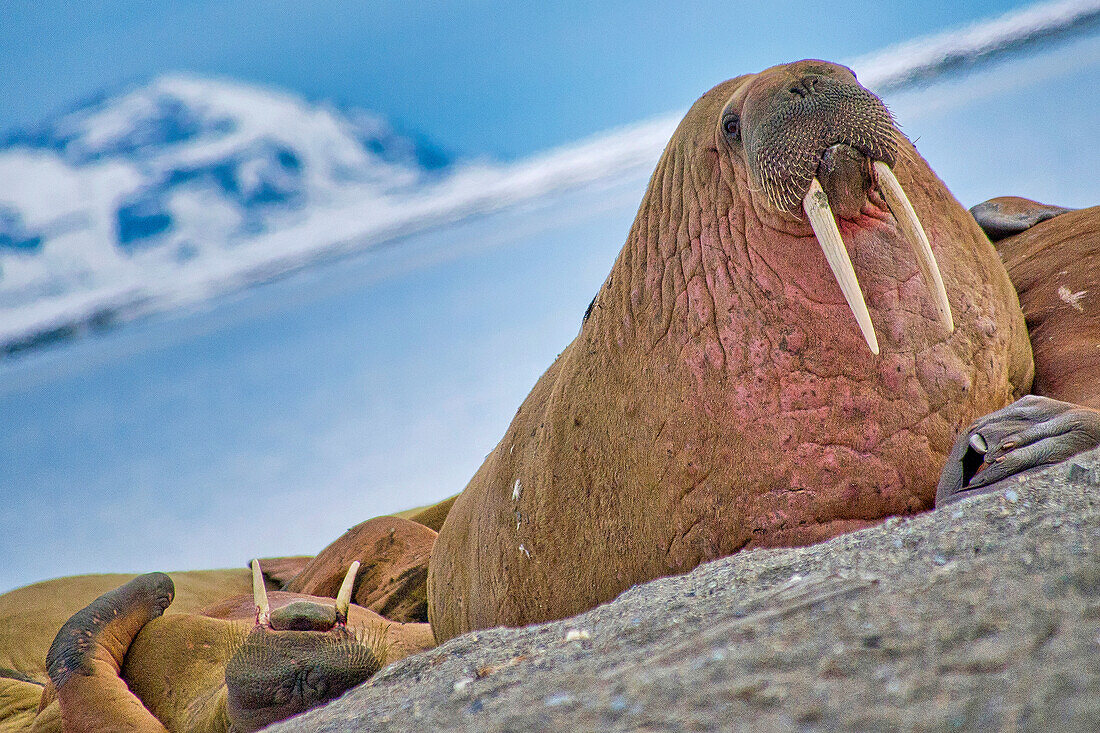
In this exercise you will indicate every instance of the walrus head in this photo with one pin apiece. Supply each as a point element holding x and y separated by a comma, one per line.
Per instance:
<point>816,142</point>
<point>296,657</point>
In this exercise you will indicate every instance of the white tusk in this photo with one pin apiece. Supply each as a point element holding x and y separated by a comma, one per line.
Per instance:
<point>343,598</point>
<point>816,205</point>
<point>910,226</point>
<point>259,595</point>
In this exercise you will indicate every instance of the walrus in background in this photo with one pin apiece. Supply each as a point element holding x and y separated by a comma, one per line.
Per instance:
<point>1052,255</point>
<point>720,396</point>
<point>240,664</point>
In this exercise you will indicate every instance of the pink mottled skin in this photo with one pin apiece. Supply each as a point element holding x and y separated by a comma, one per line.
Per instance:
<point>720,397</point>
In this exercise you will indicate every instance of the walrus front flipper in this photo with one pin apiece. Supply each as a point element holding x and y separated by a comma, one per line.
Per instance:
<point>1007,215</point>
<point>1031,432</point>
<point>86,656</point>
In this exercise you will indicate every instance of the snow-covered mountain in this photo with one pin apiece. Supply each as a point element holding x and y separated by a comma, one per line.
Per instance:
<point>102,203</point>
<point>190,187</point>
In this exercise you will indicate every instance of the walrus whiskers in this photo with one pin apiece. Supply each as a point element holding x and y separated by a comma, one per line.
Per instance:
<point>343,597</point>
<point>259,596</point>
<point>911,228</point>
<point>816,205</point>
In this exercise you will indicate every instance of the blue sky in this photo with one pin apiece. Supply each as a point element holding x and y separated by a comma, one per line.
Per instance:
<point>478,78</point>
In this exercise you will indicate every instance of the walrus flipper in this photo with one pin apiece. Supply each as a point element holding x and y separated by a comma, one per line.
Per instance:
<point>1007,215</point>
<point>1031,432</point>
<point>86,656</point>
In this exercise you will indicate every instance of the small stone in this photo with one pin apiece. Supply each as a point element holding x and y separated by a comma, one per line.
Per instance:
<point>560,698</point>
<point>939,559</point>
<point>577,635</point>
<point>460,685</point>
<point>1011,496</point>
<point>618,704</point>
<point>957,514</point>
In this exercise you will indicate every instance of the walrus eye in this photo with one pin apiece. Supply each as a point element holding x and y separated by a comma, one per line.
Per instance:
<point>731,123</point>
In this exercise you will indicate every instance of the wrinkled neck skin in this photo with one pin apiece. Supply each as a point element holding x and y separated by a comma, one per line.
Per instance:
<point>768,361</point>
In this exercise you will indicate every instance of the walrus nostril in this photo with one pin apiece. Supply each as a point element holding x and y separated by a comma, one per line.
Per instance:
<point>805,86</point>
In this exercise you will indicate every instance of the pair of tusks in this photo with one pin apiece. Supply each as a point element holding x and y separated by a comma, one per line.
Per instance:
<point>263,608</point>
<point>816,205</point>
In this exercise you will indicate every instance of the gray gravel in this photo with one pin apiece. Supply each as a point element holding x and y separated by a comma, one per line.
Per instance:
<point>982,616</point>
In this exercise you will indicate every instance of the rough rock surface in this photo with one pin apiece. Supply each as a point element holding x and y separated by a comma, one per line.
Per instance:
<point>982,616</point>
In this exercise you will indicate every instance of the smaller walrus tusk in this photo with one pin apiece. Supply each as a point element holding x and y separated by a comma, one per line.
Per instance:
<point>259,596</point>
<point>343,598</point>
<point>816,205</point>
<point>910,226</point>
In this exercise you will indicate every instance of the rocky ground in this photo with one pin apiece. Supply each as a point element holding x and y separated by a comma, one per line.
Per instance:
<point>982,616</point>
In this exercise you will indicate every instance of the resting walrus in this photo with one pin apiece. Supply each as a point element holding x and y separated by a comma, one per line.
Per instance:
<point>720,396</point>
<point>239,664</point>
<point>1053,257</point>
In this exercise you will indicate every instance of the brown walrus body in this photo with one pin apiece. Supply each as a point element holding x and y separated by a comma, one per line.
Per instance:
<point>719,395</point>
<point>1053,258</point>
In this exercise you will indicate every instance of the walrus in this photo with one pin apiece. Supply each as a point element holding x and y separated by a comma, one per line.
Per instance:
<point>240,664</point>
<point>799,325</point>
<point>1052,255</point>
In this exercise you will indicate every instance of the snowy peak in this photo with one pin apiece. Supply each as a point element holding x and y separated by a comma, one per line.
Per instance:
<point>117,193</point>
<point>189,119</point>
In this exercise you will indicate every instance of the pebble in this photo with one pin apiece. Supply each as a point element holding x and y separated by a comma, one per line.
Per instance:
<point>560,698</point>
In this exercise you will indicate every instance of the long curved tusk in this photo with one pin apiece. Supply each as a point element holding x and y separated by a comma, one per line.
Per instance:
<point>816,205</point>
<point>259,596</point>
<point>910,226</point>
<point>343,598</point>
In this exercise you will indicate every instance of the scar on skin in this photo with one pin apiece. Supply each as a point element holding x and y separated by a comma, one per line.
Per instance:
<point>1072,299</point>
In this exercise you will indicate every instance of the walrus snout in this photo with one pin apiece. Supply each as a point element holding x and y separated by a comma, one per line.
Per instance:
<point>816,142</point>
<point>793,114</point>
<point>296,657</point>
